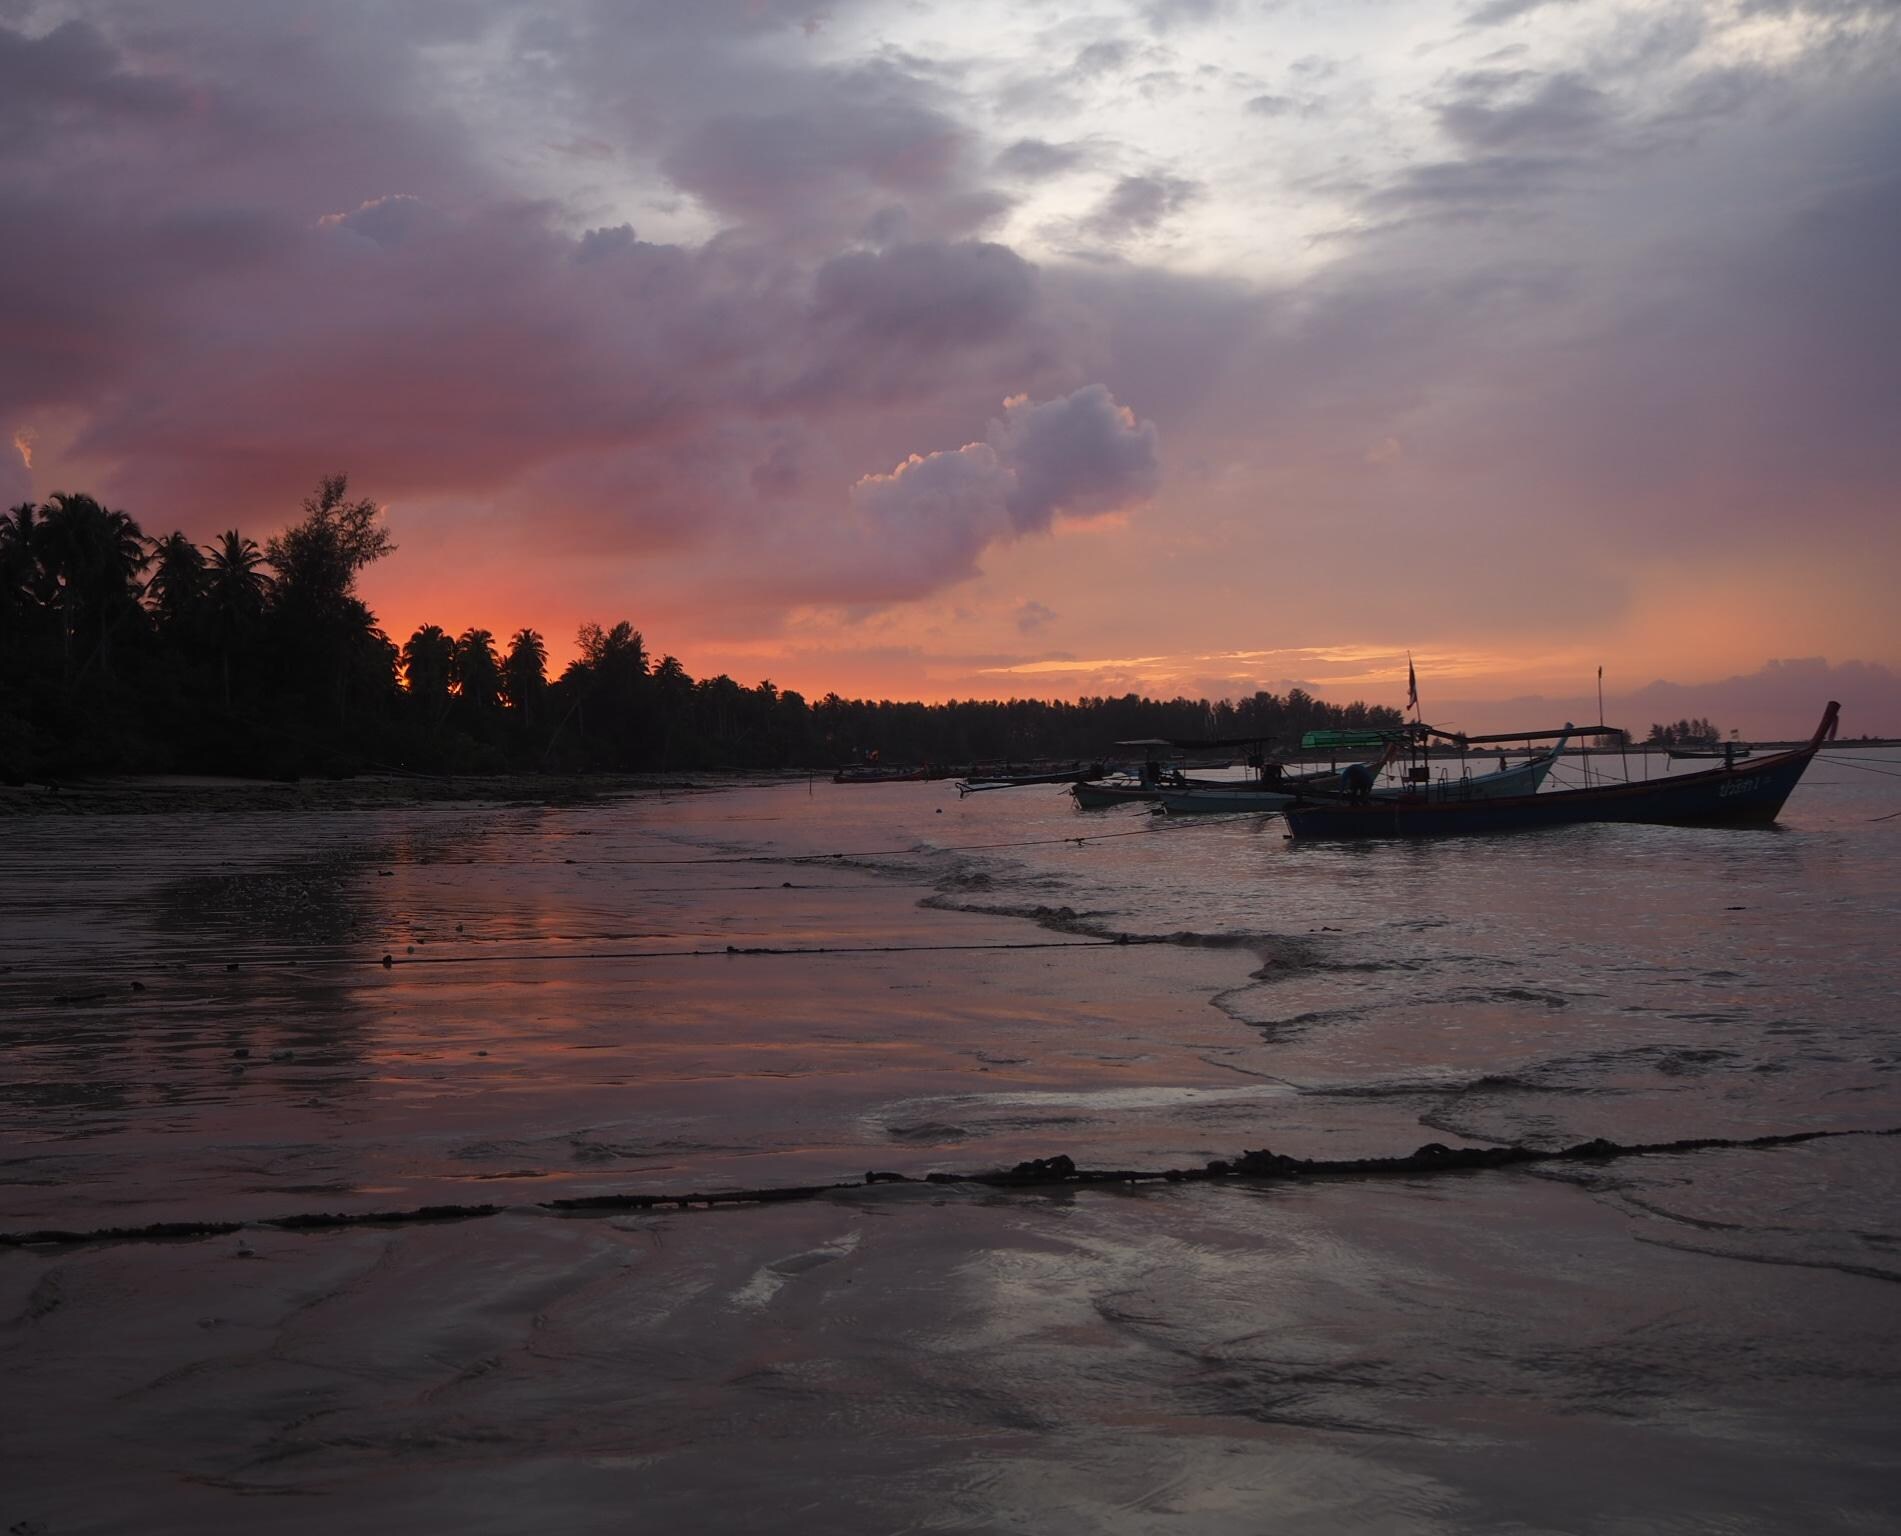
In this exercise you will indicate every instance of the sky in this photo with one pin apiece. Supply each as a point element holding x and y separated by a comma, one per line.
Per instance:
<point>1007,347</point>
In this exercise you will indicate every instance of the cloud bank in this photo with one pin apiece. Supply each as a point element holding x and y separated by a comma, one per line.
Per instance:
<point>1543,328</point>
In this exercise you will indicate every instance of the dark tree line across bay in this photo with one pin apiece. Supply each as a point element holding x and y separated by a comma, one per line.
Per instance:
<point>1684,733</point>
<point>121,653</point>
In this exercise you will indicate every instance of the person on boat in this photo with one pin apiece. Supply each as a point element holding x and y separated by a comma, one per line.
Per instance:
<point>1357,780</point>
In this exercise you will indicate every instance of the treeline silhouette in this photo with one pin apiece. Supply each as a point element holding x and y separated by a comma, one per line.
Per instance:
<point>121,653</point>
<point>1684,733</point>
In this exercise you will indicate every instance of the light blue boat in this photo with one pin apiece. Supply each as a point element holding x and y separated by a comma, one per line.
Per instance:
<point>1501,784</point>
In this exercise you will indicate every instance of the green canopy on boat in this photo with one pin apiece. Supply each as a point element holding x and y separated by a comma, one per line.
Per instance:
<point>1355,739</point>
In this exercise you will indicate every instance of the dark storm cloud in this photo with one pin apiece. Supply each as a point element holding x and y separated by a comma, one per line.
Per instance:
<point>1498,111</point>
<point>1038,159</point>
<point>930,297</point>
<point>225,332</point>
<point>255,250</point>
<point>1520,137</point>
<point>825,165</point>
<point>1497,12</point>
<point>1138,204</point>
<point>70,81</point>
<point>904,323</point>
<point>1493,186</point>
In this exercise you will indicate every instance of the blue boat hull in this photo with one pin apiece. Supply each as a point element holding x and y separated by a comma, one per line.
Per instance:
<point>1747,794</point>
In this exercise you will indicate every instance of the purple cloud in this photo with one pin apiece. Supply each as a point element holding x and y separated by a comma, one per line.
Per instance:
<point>1082,454</point>
<point>1138,204</point>
<point>1618,308</point>
<point>1033,617</point>
<point>933,515</point>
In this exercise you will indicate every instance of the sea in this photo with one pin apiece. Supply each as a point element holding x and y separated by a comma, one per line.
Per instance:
<point>224,1008</point>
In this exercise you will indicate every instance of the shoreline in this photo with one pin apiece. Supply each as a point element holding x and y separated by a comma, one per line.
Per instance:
<point>108,794</point>
<point>158,794</point>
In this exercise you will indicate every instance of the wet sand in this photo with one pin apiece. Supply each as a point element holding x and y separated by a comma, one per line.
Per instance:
<point>199,1024</point>
<point>1490,1353</point>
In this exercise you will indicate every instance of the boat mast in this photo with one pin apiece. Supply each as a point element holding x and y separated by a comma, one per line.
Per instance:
<point>1419,760</point>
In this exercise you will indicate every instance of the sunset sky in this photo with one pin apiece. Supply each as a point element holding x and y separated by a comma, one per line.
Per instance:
<point>993,347</point>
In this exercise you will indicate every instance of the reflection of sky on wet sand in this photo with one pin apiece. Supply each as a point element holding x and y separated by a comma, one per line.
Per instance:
<point>1491,1354</point>
<point>559,1008</point>
<point>1667,1343</point>
<point>200,1024</point>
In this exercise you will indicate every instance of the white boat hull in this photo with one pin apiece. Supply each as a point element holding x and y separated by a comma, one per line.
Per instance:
<point>1522,780</point>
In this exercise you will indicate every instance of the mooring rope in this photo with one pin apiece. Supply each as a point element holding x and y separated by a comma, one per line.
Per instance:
<point>1886,773</point>
<point>1037,1173</point>
<point>1148,829</point>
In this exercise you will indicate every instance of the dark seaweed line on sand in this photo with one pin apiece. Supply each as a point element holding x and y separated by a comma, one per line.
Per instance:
<point>1038,1173</point>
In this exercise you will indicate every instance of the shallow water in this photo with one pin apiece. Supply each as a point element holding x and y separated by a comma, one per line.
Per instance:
<point>198,1024</point>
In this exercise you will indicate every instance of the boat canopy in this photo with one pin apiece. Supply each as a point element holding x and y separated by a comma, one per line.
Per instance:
<point>1355,739</point>
<point>1570,730</point>
<point>1199,743</point>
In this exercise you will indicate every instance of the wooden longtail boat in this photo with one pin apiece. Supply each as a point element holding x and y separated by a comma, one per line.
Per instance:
<point>1252,794</point>
<point>1730,752</point>
<point>1075,773</point>
<point>1097,794</point>
<point>885,775</point>
<point>1740,794</point>
<point>1522,780</point>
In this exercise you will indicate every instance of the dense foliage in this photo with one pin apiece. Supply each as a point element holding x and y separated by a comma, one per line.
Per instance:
<point>1685,733</point>
<point>121,653</point>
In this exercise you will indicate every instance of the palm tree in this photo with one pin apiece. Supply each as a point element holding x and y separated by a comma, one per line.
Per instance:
<point>673,702</point>
<point>611,687</point>
<point>177,585</point>
<point>22,577</point>
<point>619,652</point>
<point>428,664</point>
<point>94,555</point>
<point>476,671</point>
<point>235,590</point>
<point>525,672</point>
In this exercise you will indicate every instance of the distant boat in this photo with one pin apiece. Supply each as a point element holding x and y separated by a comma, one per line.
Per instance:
<point>1097,795</point>
<point>1125,790</point>
<point>1729,752</point>
<point>869,775</point>
<point>1732,795</point>
<point>1075,773</point>
<point>1267,797</point>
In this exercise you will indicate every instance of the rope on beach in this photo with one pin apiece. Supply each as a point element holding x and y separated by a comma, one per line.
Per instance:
<point>1037,1173</point>
<point>1886,773</point>
<point>392,960</point>
<point>1150,829</point>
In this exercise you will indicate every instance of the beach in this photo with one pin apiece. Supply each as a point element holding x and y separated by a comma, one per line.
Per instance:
<point>239,1012</point>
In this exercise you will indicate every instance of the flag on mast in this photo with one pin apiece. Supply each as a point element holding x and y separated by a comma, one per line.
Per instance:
<point>1412,683</point>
